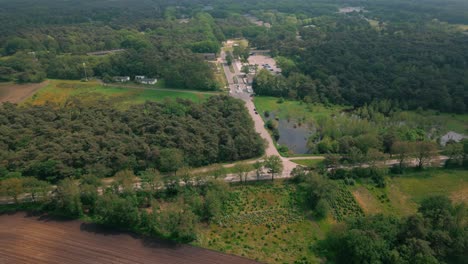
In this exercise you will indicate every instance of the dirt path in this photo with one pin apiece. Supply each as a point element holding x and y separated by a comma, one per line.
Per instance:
<point>16,93</point>
<point>45,240</point>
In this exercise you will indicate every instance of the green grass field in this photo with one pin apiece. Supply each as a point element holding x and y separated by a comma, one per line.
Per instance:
<point>264,222</point>
<point>59,91</point>
<point>294,110</point>
<point>403,193</point>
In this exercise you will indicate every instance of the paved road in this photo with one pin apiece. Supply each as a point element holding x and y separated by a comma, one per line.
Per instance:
<point>240,91</point>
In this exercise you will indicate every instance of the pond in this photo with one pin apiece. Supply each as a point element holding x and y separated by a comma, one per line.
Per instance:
<point>293,136</point>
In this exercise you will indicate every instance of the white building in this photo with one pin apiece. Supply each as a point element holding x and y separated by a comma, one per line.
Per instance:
<point>151,81</point>
<point>121,79</point>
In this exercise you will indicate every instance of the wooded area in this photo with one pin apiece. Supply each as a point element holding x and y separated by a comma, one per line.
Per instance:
<point>345,60</point>
<point>379,81</point>
<point>52,143</point>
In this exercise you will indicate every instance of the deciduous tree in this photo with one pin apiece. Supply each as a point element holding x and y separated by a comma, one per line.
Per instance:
<point>274,164</point>
<point>12,187</point>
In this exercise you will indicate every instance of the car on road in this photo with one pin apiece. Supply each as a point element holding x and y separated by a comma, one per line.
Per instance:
<point>256,112</point>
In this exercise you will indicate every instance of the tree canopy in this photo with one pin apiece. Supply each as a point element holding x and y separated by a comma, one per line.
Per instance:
<point>51,142</point>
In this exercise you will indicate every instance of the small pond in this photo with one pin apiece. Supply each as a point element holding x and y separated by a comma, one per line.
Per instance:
<point>293,136</point>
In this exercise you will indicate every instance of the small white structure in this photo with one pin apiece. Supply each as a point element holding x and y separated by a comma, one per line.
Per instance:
<point>151,81</point>
<point>144,80</point>
<point>121,79</point>
<point>451,136</point>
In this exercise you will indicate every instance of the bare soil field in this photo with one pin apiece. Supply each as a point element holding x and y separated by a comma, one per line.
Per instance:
<point>16,93</point>
<point>32,239</point>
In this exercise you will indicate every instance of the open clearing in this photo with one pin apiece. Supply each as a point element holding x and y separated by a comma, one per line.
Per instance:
<point>60,91</point>
<point>43,240</point>
<point>263,221</point>
<point>403,193</point>
<point>294,110</point>
<point>16,93</point>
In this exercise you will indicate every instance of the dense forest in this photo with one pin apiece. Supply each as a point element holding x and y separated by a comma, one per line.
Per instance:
<point>396,50</point>
<point>346,60</point>
<point>53,143</point>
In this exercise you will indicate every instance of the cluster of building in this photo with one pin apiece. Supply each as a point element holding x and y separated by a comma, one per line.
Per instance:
<point>138,78</point>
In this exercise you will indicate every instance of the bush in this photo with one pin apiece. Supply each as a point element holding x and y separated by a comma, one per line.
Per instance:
<point>338,174</point>
<point>283,150</point>
<point>379,180</point>
<point>395,169</point>
<point>321,209</point>
<point>349,181</point>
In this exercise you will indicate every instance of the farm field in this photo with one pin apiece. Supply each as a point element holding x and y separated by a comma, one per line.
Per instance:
<point>59,91</point>
<point>16,93</point>
<point>403,193</point>
<point>264,222</point>
<point>38,240</point>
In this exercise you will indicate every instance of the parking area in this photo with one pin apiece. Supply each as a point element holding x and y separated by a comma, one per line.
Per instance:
<point>264,62</point>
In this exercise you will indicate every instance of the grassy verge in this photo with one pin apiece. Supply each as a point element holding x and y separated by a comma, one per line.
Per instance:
<point>311,163</point>
<point>231,69</point>
<point>220,76</point>
<point>403,193</point>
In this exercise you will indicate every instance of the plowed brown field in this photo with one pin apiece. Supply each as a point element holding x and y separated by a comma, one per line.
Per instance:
<point>26,239</point>
<point>16,93</point>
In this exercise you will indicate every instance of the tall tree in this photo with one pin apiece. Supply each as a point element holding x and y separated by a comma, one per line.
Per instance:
<point>402,150</point>
<point>258,168</point>
<point>124,182</point>
<point>12,187</point>
<point>171,160</point>
<point>242,170</point>
<point>36,187</point>
<point>68,198</point>
<point>151,180</point>
<point>424,152</point>
<point>274,164</point>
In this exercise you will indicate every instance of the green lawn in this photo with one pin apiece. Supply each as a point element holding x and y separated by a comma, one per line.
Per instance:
<point>295,110</point>
<point>59,91</point>
<point>419,185</point>
<point>403,193</point>
<point>264,222</point>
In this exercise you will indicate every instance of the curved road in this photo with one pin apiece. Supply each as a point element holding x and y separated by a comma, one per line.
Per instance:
<point>240,91</point>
